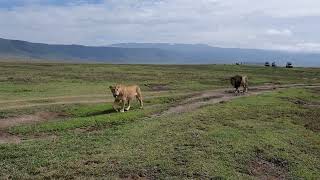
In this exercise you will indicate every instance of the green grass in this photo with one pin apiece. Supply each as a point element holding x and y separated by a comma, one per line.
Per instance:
<point>30,80</point>
<point>95,116</point>
<point>218,141</point>
<point>215,141</point>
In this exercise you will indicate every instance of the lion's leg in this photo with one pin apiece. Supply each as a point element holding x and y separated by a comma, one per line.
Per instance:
<point>122,106</point>
<point>139,97</point>
<point>128,108</point>
<point>115,105</point>
<point>140,101</point>
<point>245,89</point>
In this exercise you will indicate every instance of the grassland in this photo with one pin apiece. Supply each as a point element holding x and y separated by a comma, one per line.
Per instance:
<point>270,135</point>
<point>22,81</point>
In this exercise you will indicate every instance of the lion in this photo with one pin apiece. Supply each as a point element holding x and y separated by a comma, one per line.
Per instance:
<point>238,81</point>
<point>125,94</point>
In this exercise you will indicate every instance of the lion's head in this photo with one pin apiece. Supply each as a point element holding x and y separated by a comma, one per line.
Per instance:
<point>115,90</point>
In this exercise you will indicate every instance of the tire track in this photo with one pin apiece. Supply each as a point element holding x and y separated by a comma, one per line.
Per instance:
<point>195,101</point>
<point>66,100</point>
<point>223,95</point>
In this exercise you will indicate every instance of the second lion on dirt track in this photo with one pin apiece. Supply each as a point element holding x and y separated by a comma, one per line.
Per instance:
<point>125,94</point>
<point>238,81</point>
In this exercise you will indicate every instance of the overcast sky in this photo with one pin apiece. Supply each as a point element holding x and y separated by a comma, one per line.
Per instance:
<point>265,24</point>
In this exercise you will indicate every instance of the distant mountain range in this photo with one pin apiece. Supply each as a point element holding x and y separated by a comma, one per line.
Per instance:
<point>150,53</point>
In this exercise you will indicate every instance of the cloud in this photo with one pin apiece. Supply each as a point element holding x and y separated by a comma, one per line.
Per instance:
<point>227,23</point>
<point>22,3</point>
<point>309,46</point>
<point>284,32</point>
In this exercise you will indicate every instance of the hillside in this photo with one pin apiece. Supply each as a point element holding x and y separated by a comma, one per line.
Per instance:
<point>150,53</point>
<point>27,50</point>
<point>204,54</point>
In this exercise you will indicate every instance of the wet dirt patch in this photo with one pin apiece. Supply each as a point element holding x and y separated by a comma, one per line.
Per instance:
<point>201,99</point>
<point>42,101</point>
<point>134,177</point>
<point>315,90</point>
<point>26,119</point>
<point>7,138</point>
<point>311,121</point>
<point>141,174</point>
<point>151,172</point>
<point>309,118</point>
<point>205,98</point>
<point>192,106</point>
<point>315,127</point>
<point>313,104</point>
<point>158,87</point>
<point>108,111</point>
<point>67,100</point>
<point>230,91</point>
<point>302,102</point>
<point>268,169</point>
<point>261,88</point>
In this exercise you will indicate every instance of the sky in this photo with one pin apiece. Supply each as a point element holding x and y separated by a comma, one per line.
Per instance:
<point>290,25</point>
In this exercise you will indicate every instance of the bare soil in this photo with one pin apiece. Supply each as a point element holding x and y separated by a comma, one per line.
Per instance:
<point>8,138</point>
<point>220,96</point>
<point>271,170</point>
<point>158,87</point>
<point>212,97</point>
<point>302,102</point>
<point>193,102</point>
<point>61,100</point>
<point>26,119</point>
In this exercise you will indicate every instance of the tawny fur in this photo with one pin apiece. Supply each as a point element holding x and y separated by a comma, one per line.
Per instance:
<point>125,94</point>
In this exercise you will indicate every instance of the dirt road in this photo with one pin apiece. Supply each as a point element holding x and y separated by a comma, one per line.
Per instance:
<point>194,101</point>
